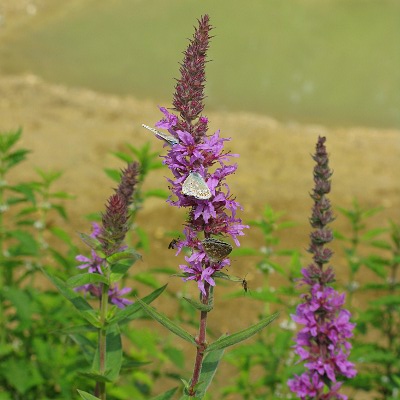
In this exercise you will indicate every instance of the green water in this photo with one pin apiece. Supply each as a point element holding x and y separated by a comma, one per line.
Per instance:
<point>333,62</point>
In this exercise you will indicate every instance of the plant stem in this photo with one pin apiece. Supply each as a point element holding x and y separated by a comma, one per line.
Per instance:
<point>2,269</point>
<point>101,386</point>
<point>201,344</point>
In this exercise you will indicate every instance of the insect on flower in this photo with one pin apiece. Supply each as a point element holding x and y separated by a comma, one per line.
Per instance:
<point>171,140</point>
<point>216,249</point>
<point>194,185</point>
<point>173,243</point>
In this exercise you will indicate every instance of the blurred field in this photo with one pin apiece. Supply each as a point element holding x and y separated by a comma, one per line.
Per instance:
<point>333,62</point>
<point>80,95</point>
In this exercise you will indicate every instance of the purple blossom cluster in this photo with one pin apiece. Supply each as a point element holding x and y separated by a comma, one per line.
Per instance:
<point>322,344</point>
<point>214,216</point>
<point>96,265</point>
<point>111,233</point>
<point>194,151</point>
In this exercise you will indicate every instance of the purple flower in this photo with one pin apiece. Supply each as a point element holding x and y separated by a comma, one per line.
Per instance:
<point>322,344</point>
<point>205,155</point>
<point>95,265</point>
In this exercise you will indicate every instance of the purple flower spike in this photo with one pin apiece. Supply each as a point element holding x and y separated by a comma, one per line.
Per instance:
<point>200,166</point>
<point>322,344</point>
<point>111,235</point>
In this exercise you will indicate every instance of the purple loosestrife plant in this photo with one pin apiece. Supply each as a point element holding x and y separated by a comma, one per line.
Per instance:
<point>107,250</point>
<point>323,342</point>
<point>200,167</point>
<point>197,152</point>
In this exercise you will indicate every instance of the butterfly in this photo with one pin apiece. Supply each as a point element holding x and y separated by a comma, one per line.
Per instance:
<point>216,249</point>
<point>194,185</point>
<point>171,140</point>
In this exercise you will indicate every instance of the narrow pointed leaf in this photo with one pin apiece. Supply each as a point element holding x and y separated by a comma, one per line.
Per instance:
<point>83,307</point>
<point>170,325</point>
<point>165,396</point>
<point>118,271</point>
<point>87,396</point>
<point>124,255</point>
<point>237,337</point>
<point>199,306</point>
<point>222,275</point>
<point>92,242</point>
<point>96,376</point>
<point>113,354</point>
<point>208,370</point>
<point>84,279</point>
<point>127,314</point>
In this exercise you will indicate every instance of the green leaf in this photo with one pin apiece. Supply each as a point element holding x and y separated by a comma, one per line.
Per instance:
<point>170,325</point>
<point>118,271</point>
<point>208,370</point>
<point>165,396</point>
<point>48,176</point>
<point>92,242</point>
<point>372,233</point>
<point>113,354</point>
<point>126,314</point>
<point>23,304</point>
<point>237,337</point>
<point>124,255</point>
<point>147,279</point>
<point>144,242</point>
<point>8,139</point>
<point>18,376</point>
<point>122,156</point>
<point>60,211</point>
<point>222,275</point>
<point>114,174</point>
<point>26,190</point>
<point>26,246</point>
<point>96,376</point>
<point>199,306</point>
<point>83,307</point>
<point>15,158</point>
<point>159,193</point>
<point>87,396</point>
<point>84,279</point>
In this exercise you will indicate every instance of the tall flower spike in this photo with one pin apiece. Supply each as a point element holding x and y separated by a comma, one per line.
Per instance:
<point>200,166</point>
<point>188,99</point>
<point>111,234</point>
<point>115,219</point>
<point>322,344</point>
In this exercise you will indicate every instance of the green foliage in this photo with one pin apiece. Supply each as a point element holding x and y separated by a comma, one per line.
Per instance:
<point>35,362</point>
<point>368,251</point>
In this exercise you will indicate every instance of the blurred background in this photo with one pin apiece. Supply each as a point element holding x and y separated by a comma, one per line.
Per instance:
<point>333,62</point>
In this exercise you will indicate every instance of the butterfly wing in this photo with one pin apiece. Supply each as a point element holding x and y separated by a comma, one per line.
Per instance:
<point>171,140</point>
<point>216,250</point>
<point>194,185</point>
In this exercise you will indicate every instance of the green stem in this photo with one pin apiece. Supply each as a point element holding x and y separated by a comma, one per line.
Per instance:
<point>101,386</point>
<point>2,267</point>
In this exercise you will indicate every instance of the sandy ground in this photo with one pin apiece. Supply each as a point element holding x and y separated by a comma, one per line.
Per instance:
<point>75,130</point>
